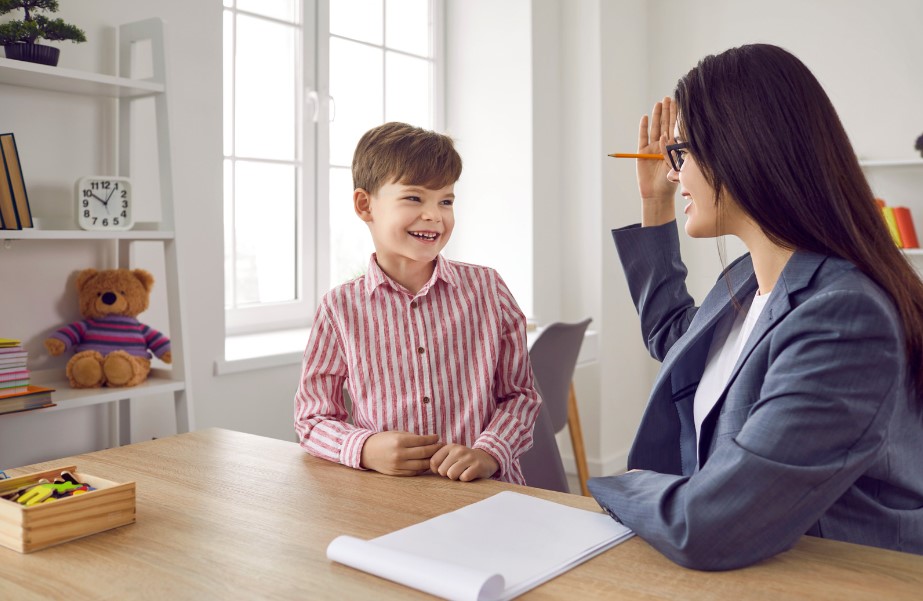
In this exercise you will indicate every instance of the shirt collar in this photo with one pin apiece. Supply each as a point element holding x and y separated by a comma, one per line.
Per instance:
<point>375,277</point>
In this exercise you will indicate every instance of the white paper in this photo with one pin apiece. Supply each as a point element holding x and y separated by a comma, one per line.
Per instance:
<point>492,550</point>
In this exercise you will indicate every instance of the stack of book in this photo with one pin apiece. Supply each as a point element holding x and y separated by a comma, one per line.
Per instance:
<point>16,393</point>
<point>900,224</point>
<point>15,213</point>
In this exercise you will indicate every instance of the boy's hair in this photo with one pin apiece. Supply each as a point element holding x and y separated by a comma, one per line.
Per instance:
<point>402,153</point>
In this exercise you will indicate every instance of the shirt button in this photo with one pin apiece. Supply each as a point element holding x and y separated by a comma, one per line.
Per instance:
<point>420,350</point>
<point>413,305</point>
<point>426,399</point>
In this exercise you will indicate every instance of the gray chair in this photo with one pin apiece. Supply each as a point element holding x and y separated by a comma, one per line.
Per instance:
<point>541,465</point>
<point>554,357</point>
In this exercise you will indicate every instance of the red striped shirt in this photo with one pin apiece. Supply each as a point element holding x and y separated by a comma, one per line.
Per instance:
<point>451,360</point>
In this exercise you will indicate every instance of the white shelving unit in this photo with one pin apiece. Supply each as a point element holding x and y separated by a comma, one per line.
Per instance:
<point>125,90</point>
<point>883,173</point>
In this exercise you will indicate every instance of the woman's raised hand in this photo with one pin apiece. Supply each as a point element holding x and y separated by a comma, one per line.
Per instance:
<point>657,192</point>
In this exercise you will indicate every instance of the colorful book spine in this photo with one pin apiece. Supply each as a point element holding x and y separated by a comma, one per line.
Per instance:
<point>888,213</point>
<point>908,232</point>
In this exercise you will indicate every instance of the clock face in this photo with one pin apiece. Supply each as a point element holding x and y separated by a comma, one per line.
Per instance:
<point>104,203</point>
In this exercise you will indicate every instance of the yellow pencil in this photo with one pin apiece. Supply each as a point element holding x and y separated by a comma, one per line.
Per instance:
<point>628,155</point>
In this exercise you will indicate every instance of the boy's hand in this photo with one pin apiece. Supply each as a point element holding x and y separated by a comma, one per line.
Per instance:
<point>458,462</point>
<point>399,453</point>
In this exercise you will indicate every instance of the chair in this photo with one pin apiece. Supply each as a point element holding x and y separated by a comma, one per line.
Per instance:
<point>554,357</point>
<point>541,465</point>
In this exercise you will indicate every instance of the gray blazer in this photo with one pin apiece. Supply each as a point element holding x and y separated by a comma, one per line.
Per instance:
<point>815,433</point>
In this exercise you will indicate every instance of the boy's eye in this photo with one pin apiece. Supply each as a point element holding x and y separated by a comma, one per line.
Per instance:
<point>413,198</point>
<point>448,202</point>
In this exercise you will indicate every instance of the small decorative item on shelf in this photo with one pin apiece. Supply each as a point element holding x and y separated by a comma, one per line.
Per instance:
<point>18,38</point>
<point>919,145</point>
<point>112,347</point>
<point>104,203</point>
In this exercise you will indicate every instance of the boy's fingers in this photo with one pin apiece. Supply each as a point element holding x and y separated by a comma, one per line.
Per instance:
<point>415,466</point>
<point>438,457</point>
<point>418,440</point>
<point>642,134</point>
<point>424,452</point>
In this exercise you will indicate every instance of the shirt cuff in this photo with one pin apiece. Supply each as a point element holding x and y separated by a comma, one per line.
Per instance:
<point>499,450</point>
<point>351,449</point>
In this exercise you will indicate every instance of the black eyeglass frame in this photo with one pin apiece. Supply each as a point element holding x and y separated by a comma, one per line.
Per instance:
<point>676,157</point>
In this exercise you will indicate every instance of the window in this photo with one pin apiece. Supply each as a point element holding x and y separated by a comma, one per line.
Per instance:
<point>303,80</point>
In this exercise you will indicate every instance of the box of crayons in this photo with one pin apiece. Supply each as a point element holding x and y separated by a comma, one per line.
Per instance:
<point>42,509</point>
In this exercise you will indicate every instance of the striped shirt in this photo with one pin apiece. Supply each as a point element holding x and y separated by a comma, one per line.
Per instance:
<point>450,360</point>
<point>113,333</point>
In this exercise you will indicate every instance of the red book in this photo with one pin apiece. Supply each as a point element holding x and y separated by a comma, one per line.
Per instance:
<point>905,227</point>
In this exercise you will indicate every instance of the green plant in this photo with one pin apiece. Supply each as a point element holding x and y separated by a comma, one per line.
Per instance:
<point>34,26</point>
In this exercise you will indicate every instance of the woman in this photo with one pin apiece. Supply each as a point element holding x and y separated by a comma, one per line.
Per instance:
<point>791,401</point>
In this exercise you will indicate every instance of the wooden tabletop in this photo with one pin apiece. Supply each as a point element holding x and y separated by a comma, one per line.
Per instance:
<point>227,515</point>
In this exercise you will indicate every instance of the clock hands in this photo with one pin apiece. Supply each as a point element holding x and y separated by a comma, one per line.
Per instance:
<point>106,201</point>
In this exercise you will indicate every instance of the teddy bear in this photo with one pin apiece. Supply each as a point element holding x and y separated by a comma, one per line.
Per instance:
<point>112,348</point>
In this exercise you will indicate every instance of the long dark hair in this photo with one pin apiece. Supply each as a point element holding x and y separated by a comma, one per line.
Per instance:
<point>762,128</point>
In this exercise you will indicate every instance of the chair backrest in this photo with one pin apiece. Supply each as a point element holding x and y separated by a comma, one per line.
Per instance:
<point>554,357</point>
<point>541,465</point>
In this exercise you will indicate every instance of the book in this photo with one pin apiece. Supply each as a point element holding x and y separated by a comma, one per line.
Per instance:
<point>17,183</point>
<point>492,550</point>
<point>888,214</point>
<point>14,386</point>
<point>905,227</point>
<point>10,361</point>
<point>7,203</point>
<point>33,397</point>
<point>9,342</point>
<point>13,373</point>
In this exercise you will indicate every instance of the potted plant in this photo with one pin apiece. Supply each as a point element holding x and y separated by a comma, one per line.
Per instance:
<point>18,38</point>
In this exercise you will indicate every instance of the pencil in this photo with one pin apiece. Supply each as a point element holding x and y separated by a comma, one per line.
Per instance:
<point>629,155</point>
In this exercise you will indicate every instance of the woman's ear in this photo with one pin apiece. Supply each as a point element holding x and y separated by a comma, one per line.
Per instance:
<point>362,204</point>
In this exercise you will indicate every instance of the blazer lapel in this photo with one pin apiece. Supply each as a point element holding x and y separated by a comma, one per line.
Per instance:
<point>714,306</point>
<point>795,276</point>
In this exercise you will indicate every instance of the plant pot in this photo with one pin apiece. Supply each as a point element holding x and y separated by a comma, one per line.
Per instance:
<point>33,53</point>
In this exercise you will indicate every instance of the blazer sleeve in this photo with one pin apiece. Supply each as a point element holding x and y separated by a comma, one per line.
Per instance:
<point>836,369</point>
<point>656,275</point>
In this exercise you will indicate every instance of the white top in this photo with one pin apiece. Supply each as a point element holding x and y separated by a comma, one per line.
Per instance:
<point>731,335</point>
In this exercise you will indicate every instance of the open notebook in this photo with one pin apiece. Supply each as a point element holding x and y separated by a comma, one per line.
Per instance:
<point>491,550</point>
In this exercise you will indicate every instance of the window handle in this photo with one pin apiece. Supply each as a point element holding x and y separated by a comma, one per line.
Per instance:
<point>311,96</point>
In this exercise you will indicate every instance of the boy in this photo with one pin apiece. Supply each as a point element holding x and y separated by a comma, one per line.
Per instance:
<point>432,352</point>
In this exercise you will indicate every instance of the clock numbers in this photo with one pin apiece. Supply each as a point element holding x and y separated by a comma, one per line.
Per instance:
<point>104,203</point>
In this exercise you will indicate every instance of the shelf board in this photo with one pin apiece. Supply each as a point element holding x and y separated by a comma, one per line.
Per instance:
<point>65,397</point>
<point>913,252</point>
<point>72,81</point>
<point>34,234</point>
<point>892,163</point>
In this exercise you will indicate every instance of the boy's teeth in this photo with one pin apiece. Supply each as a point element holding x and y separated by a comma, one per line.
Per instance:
<point>424,236</point>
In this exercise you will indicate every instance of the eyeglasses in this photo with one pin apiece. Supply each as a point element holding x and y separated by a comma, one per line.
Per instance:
<point>677,154</point>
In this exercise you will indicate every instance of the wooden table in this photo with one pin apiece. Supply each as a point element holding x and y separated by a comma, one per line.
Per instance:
<point>226,515</point>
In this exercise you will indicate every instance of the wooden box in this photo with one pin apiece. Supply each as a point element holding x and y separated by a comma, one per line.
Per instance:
<point>27,529</point>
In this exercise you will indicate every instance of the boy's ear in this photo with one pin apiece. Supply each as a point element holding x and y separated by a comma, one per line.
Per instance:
<point>362,203</point>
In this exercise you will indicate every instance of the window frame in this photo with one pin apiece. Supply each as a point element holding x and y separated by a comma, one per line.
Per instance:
<point>312,159</point>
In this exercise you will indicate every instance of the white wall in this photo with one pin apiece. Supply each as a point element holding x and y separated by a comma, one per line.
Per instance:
<point>488,113</point>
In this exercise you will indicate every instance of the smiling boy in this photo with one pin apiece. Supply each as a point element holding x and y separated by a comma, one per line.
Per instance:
<point>432,352</point>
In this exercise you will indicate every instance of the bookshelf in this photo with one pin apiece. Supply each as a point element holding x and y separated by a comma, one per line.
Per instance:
<point>900,183</point>
<point>124,90</point>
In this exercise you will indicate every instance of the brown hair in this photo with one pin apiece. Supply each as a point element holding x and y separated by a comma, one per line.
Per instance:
<point>398,152</point>
<point>762,128</point>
